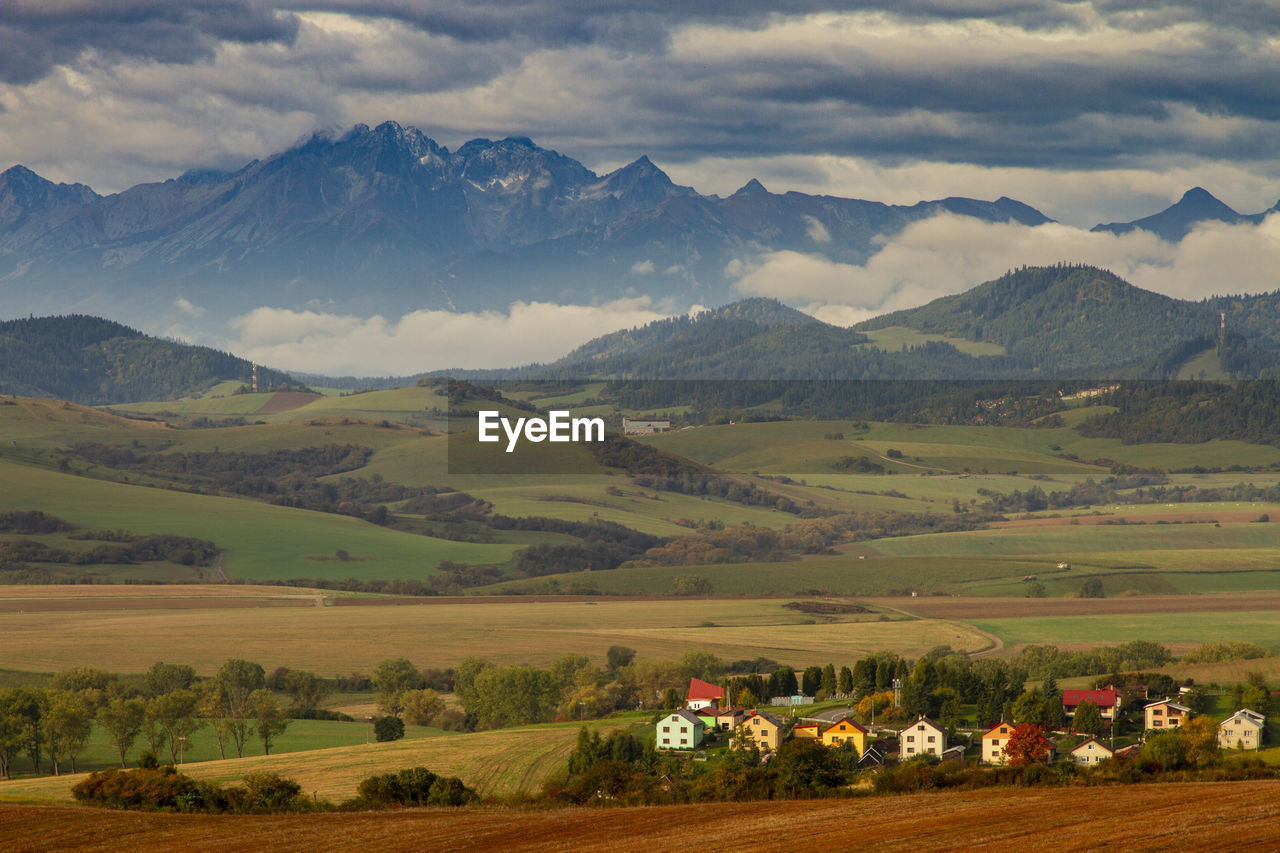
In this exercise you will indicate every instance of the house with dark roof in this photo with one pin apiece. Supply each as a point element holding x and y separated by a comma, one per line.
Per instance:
<point>1090,752</point>
<point>923,737</point>
<point>681,729</point>
<point>764,729</point>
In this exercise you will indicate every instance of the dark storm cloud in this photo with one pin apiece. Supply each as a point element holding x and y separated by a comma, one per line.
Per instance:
<point>36,35</point>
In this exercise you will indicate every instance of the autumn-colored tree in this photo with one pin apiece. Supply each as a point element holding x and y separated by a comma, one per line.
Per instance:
<point>1200,739</point>
<point>1027,745</point>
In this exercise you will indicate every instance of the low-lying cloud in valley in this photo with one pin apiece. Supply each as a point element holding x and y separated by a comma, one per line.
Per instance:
<point>421,341</point>
<point>949,254</point>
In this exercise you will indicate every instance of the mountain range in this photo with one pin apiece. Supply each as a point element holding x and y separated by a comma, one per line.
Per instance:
<point>385,220</point>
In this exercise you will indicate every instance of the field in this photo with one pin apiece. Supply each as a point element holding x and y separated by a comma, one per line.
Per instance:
<point>1232,815</point>
<point>495,763</point>
<point>439,633</point>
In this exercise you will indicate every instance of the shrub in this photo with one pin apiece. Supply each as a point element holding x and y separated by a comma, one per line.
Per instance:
<point>388,728</point>
<point>413,786</point>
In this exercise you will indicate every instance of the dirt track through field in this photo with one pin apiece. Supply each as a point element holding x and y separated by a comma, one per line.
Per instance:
<point>286,401</point>
<point>1183,817</point>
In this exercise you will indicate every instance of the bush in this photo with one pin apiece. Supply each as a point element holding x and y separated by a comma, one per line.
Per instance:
<point>414,786</point>
<point>388,728</point>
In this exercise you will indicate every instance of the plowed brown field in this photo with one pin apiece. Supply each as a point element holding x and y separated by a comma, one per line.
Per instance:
<point>1183,817</point>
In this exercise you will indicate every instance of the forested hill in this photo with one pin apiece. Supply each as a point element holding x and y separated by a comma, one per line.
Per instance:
<point>94,361</point>
<point>1062,321</point>
<point>1061,318</point>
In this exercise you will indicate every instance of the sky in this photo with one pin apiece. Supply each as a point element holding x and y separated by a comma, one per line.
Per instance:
<point>1090,111</point>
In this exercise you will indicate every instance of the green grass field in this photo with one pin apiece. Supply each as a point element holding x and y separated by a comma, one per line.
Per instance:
<point>1178,630</point>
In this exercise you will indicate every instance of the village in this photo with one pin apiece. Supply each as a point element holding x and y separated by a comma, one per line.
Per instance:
<point>708,720</point>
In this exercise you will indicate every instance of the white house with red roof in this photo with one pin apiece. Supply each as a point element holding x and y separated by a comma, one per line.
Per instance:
<point>703,695</point>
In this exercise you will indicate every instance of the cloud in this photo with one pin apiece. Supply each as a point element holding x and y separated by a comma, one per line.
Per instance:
<point>184,305</point>
<point>949,254</point>
<point>642,268</point>
<point>39,34</point>
<point>816,230</point>
<point>339,344</point>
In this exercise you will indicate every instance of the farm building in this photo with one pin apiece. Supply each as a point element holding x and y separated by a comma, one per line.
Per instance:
<point>639,426</point>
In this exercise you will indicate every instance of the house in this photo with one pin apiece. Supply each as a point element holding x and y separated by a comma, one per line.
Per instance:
<point>1242,730</point>
<point>728,719</point>
<point>807,730</point>
<point>871,758</point>
<point>1090,752</point>
<point>843,731</point>
<point>923,737</point>
<point>680,729</point>
<point>1165,714</point>
<point>953,754</point>
<point>1105,700</point>
<point>994,742</point>
<point>703,695</point>
<point>764,729</point>
<point>645,426</point>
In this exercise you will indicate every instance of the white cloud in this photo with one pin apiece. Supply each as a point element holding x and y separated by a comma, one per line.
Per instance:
<point>949,254</point>
<point>339,344</point>
<point>817,232</point>
<point>184,305</point>
<point>642,268</point>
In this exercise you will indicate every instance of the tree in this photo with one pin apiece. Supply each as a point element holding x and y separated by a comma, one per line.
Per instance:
<point>1055,718</point>
<point>1256,696</point>
<point>844,683</point>
<point>1200,741</point>
<point>1027,745</point>
<point>828,687</point>
<point>122,719</point>
<point>68,722</point>
<point>703,665</point>
<point>811,680</point>
<point>782,682</point>
<point>1087,718</point>
<point>176,714</point>
<point>807,765</point>
<point>422,706</point>
<point>268,717</point>
<point>1167,749</point>
<point>618,657</point>
<point>388,728</point>
<point>13,735</point>
<point>1029,708</point>
<point>1036,590</point>
<point>166,677</point>
<point>231,699</point>
<point>1092,588</point>
<point>392,677</point>
<point>306,689</point>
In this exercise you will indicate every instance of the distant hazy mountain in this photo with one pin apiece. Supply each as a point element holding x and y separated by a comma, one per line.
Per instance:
<point>95,361</point>
<point>1176,221</point>
<point>1062,321</point>
<point>385,219</point>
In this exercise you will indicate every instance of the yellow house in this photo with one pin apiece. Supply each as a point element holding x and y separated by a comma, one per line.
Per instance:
<point>1165,714</point>
<point>845,731</point>
<point>764,729</point>
<point>994,742</point>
